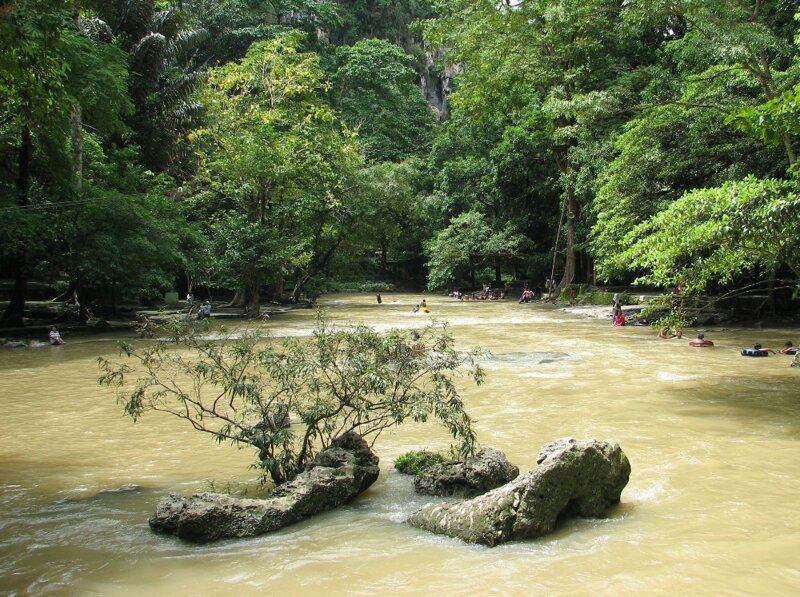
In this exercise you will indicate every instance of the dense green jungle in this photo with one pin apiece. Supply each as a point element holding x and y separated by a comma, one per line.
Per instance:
<point>275,150</point>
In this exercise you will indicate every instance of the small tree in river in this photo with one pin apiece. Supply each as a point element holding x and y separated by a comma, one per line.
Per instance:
<point>291,399</point>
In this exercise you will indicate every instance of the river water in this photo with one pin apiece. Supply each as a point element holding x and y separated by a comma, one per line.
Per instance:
<point>711,507</point>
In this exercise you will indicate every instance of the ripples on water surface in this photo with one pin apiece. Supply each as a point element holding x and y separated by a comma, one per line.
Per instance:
<point>710,508</point>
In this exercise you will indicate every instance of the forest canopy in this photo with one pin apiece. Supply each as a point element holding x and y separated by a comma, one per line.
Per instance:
<point>274,149</point>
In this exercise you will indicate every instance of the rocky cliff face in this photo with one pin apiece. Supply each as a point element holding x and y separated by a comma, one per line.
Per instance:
<point>435,83</point>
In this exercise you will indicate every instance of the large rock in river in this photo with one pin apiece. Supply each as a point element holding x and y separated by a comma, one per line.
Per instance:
<point>580,478</point>
<point>334,477</point>
<point>486,470</point>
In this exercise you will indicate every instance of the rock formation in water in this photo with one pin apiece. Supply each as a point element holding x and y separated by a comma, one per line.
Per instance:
<point>474,476</point>
<point>579,478</point>
<point>334,477</point>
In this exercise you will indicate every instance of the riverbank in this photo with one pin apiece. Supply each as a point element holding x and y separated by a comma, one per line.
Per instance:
<point>37,328</point>
<point>600,311</point>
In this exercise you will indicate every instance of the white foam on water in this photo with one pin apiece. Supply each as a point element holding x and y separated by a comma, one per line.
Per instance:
<point>645,494</point>
<point>672,376</point>
<point>546,375</point>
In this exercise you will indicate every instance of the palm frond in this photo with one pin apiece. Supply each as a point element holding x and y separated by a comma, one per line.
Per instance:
<point>185,43</point>
<point>167,22</point>
<point>177,90</point>
<point>96,29</point>
<point>147,56</point>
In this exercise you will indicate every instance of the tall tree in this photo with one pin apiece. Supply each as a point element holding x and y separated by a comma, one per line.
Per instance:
<point>274,151</point>
<point>373,88</point>
<point>43,84</point>
<point>161,49</point>
<point>753,36</point>
<point>558,57</point>
<point>382,19</point>
<point>719,62</point>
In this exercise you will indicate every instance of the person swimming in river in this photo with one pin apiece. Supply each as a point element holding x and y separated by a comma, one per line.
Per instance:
<point>423,306</point>
<point>700,341</point>
<point>757,351</point>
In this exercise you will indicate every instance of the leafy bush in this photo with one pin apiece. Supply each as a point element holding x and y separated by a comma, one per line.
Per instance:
<point>362,286</point>
<point>290,399</point>
<point>666,313</point>
<point>589,295</point>
<point>414,462</point>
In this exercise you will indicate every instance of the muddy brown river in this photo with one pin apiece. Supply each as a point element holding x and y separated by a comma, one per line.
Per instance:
<point>711,507</point>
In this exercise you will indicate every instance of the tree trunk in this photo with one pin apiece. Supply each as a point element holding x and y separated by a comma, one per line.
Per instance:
<point>276,286</point>
<point>569,266</point>
<point>472,273</point>
<point>77,148</point>
<point>237,300</point>
<point>298,288</point>
<point>384,254</point>
<point>498,274</point>
<point>252,298</point>
<point>114,294</point>
<point>773,274</point>
<point>15,310</point>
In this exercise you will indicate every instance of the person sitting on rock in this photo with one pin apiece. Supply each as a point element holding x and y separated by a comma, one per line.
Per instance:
<point>205,310</point>
<point>55,337</point>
